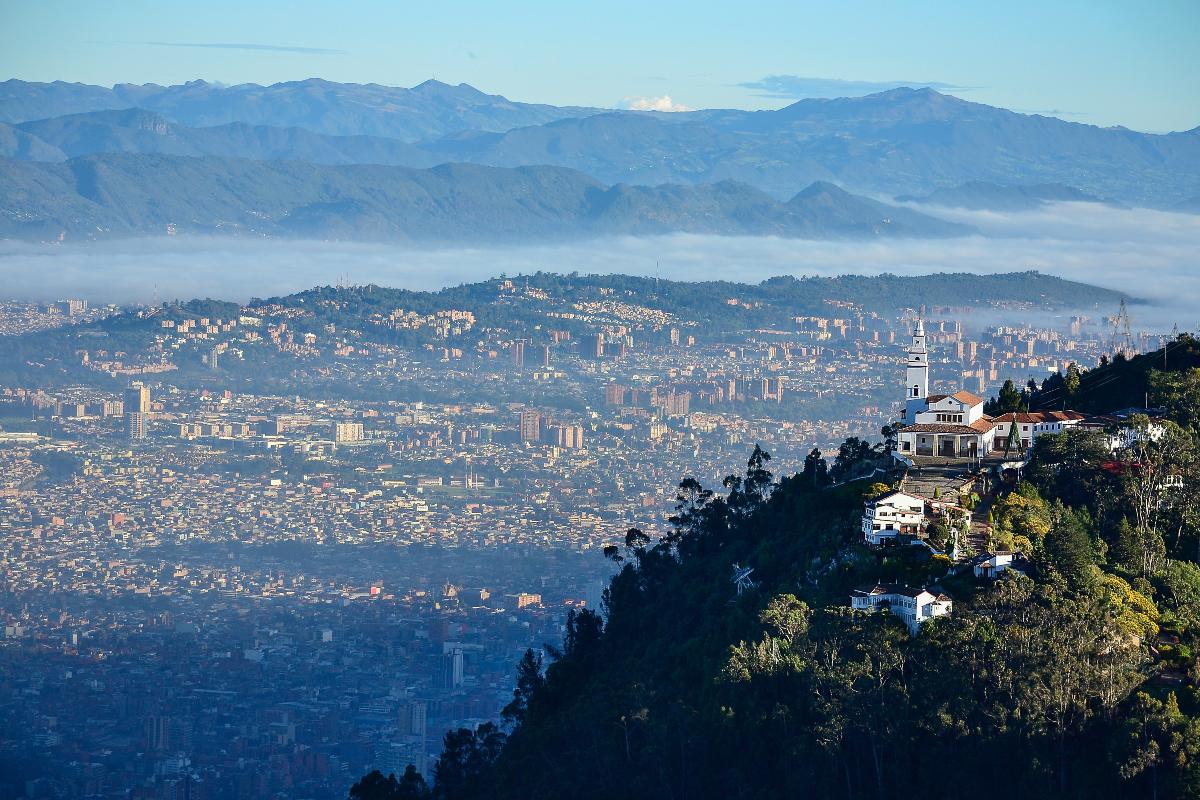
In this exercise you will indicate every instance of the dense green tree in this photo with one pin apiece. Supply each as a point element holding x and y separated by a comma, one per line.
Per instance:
<point>1068,546</point>
<point>890,434</point>
<point>1158,747</point>
<point>1072,380</point>
<point>1070,466</point>
<point>1178,591</point>
<point>463,769</point>
<point>816,470</point>
<point>1125,382</point>
<point>855,458</point>
<point>412,785</point>
<point>529,681</point>
<point>374,786</point>
<point>1179,394</point>
<point>1010,398</point>
<point>1140,551</point>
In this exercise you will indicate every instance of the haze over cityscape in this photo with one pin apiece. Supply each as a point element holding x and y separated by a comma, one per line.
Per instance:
<point>635,401</point>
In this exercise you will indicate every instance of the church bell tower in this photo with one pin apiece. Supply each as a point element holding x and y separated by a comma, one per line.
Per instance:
<point>916,384</point>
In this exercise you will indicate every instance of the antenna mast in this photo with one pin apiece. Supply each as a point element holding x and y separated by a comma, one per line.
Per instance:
<point>1122,336</point>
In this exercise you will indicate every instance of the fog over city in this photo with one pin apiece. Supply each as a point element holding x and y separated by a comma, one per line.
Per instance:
<point>1152,255</point>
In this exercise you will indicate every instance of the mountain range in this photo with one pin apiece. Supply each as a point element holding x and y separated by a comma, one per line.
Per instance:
<point>981,195</point>
<point>427,111</point>
<point>317,158</point>
<point>125,194</point>
<point>136,130</point>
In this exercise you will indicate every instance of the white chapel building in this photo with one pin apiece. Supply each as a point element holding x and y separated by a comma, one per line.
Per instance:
<point>947,425</point>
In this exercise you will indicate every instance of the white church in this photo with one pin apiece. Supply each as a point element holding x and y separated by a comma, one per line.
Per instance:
<point>946,425</point>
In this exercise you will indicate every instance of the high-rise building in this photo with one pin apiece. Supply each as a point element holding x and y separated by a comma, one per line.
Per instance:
<point>136,406</point>
<point>772,389</point>
<point>568,437</point>
<point>453,668</point>
<point>111,408</point>
<point>518,354</point>
<point>678,404</point>
<point>598,351</point>
<point>531,425</point>
<point>546,356</point>
<point>413,715</point>
<point>574,437</point>
<point>73,307</point>
<point>614,394</point>
<point>393,757</point>
<point>348,432</point>
<point>135,425</point>
<point>137,398</point>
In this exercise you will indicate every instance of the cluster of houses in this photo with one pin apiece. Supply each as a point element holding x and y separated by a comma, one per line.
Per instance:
<point>954,426</point>
<point>949,428</point>
<point>916,606</point>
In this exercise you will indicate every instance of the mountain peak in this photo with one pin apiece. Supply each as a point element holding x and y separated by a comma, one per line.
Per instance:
<point>907,91</point>
<point>819,188</point>
<point>434,87</point>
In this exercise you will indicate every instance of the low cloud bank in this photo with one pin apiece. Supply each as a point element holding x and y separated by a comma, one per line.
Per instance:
<point>1151,255</point>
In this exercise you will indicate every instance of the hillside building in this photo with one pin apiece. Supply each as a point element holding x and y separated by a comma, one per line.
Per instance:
<point>914,607</point>
<point>945,425</point>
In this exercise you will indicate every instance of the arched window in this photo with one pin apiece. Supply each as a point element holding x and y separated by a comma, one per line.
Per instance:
<point>916,391</point>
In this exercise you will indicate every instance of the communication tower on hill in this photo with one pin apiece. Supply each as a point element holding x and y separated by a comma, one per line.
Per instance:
<point>1122,335</point>
<point>741,579</point>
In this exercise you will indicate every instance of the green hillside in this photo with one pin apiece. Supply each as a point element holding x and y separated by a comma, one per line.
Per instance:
<point>1077,681</point>
<point>1121,382</point>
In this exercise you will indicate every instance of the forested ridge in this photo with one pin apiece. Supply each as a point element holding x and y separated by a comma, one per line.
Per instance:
<point>1075,681</point>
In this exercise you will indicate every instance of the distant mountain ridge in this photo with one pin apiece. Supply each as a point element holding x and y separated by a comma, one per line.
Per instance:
<point>903,141</point>
<point>123,195</point>
<point>428,110</point>
<point>900,142</point>
<point>136,130</point>
<point>984,196</point>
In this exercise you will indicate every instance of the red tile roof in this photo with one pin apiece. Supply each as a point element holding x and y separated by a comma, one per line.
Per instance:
<point>964,397</point>
<point>979,426</point>
<point>968,398</point>
<point>1037,417</point>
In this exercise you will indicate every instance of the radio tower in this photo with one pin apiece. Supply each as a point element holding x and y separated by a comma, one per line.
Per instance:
<point>1122,336</point>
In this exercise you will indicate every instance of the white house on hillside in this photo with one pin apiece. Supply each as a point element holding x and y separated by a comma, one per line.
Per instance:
<point>1119,430</point>
<point>1031,425</point>
<point>893,514</point>
<point>990,565</point>
<point>914,607</point>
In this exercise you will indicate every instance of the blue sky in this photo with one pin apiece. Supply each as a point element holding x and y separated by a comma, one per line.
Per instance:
<point>1102,62</point>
